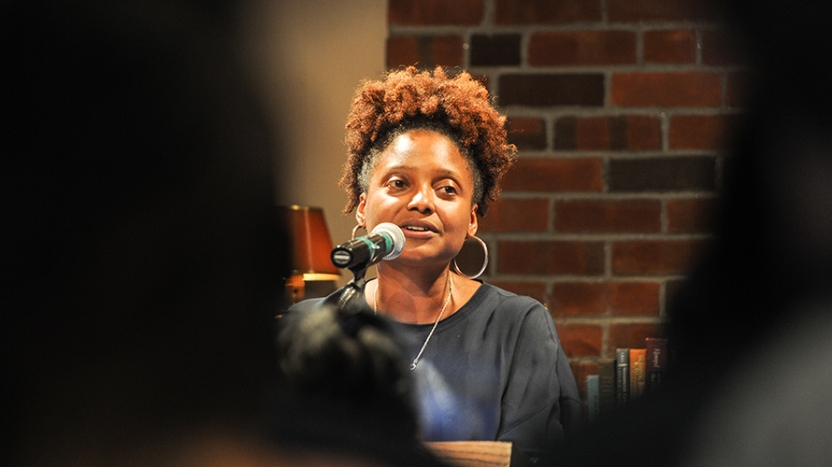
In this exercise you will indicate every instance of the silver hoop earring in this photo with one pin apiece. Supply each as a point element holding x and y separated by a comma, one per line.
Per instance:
<point>484,263</point>
<point>355,229</point>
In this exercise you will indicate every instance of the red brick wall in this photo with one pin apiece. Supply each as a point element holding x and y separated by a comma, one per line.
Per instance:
<point>621,111</point>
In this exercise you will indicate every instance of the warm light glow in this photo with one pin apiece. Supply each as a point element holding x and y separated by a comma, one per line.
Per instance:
<point>311,248</point>
<point>311,243</point>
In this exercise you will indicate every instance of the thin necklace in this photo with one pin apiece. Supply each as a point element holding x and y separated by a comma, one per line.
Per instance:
<point>436,323</point>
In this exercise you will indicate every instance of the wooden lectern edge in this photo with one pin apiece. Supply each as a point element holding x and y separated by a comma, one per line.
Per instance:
<point>473,453</point>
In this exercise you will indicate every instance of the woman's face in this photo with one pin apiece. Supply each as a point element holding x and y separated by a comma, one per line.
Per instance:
<point>423,184</point>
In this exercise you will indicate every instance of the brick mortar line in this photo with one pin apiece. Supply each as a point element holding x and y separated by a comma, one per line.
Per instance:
<point>601,236</point>
<point>607,319</point>
<point>552,215</point>
<point>664,130</point>
<point>518,195</point>
<point>601,69</point>
<point>550,131</point>
<point>605,280</point>
<point>501,29</point>
<point>607,89</point>
<point>605,339</point>
<point>697,34</point>
<point>615,111</point>
<point>635,154</point>
<point>552,278</point>
<point>489,12</point>
<point>560,279</point>
<point>584,359</point>
<point>525,40</point>
<point>608,266</point>
<point>640,47</point>
<point>606,173</point>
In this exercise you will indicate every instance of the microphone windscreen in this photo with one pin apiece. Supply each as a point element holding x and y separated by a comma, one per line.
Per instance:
<point>396,234</point>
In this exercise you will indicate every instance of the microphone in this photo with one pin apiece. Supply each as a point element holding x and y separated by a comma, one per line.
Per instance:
<point>386,241</point>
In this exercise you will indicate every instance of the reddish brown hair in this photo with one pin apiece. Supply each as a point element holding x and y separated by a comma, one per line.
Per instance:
<point>458,107</point>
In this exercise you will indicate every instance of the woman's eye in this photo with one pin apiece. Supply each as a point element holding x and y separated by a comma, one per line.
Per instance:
<point>449,190</point>
<point>396,183</point>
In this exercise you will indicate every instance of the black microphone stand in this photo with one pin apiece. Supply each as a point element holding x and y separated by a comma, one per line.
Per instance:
<point>350,301</point>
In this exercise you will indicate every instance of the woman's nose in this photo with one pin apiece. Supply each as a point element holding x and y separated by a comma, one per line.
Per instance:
<point>422,200</point>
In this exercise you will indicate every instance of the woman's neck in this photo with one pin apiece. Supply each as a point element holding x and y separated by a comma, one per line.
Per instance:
<point>414,297</point>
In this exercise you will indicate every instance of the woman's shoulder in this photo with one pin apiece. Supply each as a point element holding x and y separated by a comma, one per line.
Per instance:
<point>503,295</point>
<point>503,301</point>
<point>509,312</point>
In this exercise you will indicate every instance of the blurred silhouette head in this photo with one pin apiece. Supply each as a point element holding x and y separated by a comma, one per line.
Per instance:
<point>348,362</point>
<point>142,257</point>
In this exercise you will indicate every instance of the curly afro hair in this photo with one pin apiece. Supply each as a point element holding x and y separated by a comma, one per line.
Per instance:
<point>406,99</point>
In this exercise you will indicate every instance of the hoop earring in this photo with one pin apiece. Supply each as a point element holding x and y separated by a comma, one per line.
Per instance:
<point>355,229</point>
<point>484,263</point>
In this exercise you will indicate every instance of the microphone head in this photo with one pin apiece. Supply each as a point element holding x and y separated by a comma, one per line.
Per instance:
<point>396,235</point>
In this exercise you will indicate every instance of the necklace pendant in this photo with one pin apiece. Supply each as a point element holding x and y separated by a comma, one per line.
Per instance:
<point>436,323</point>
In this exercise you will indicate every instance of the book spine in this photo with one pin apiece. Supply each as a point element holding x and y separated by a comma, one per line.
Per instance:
<point>592,398</point>
<point>655,363</point>
<point>637,372</point>
<point>622,376</point>
<point>606,385</point>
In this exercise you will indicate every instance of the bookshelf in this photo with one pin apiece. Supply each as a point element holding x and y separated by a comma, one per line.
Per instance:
<point>633,373</point>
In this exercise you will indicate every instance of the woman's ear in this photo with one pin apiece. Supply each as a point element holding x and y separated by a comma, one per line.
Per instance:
<point>359,210</point>
<point>473,223</point>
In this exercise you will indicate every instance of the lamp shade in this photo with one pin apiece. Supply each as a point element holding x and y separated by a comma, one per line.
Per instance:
<point>311,243</point>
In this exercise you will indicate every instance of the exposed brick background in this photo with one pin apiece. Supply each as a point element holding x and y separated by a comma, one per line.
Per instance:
<point>622,112</point>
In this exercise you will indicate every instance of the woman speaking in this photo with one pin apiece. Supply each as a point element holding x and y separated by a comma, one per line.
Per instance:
<point>426,153</point>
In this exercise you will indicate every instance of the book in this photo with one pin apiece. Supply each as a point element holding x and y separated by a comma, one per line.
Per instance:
<point>606,385</point>
<point>656,363</point>
<point>622,376</point>
<point>637,372</point>
<point>592,400</point>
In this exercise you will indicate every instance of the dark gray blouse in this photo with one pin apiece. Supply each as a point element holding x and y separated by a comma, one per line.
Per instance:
<point>494,370</point>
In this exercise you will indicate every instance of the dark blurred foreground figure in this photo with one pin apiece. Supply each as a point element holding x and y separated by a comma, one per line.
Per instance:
<point>344,375</point>
<point>140,258</point>
<point>751,325</point>
<point>142,261</point>
<point>771,281</point>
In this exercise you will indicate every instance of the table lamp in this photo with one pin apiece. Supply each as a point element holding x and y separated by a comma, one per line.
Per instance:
<point>311,248</point>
